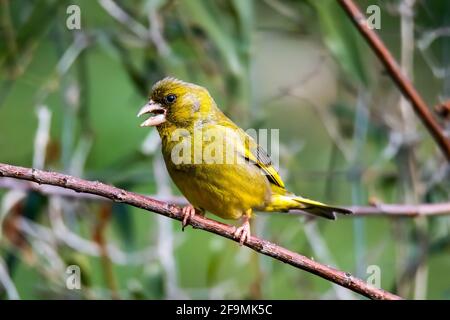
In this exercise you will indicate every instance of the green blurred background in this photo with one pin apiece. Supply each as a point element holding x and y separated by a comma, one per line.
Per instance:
<point>68,103</point>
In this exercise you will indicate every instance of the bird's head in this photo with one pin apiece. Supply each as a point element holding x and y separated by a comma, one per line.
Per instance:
<point>177,102</point>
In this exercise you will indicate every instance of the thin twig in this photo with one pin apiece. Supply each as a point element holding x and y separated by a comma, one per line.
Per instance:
<point>61,233</point>
<point>47,190</point>
<point>402,81</point>
<point>156,32</point>
<point>198,222</point>
<point>124,18</point>
<point>7,283</point>
<point>411,179</point>
<point>42,136</point>
<point>403,210</point>
<point>165,240</point>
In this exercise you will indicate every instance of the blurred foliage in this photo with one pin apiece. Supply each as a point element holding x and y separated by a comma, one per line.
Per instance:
<point>297,66</point>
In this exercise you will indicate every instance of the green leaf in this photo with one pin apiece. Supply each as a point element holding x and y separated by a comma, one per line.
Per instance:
<point>35,26</point>
<point>342,39</point>
<point>202,16</point>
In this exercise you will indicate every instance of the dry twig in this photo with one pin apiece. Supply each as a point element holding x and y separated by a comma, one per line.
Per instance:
<point>262,246</point>
<point>402,81</point>
<point>376,210</point>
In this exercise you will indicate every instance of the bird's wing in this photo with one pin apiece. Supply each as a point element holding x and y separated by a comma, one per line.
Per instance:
<point>251,151</point>
<point>257,155</point>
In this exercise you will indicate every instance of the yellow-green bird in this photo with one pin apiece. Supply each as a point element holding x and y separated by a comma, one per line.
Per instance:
<point>190,123</point>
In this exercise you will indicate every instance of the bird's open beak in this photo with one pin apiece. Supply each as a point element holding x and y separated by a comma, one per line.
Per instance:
<point>159,114</point>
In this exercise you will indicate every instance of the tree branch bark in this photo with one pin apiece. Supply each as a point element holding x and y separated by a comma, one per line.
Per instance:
<point>403,210</point>
<point>198,222</point>
<point>405,86</point>
<point>376,210</point>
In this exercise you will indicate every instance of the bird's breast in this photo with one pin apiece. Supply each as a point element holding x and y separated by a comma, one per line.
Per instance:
<point>226,190</point>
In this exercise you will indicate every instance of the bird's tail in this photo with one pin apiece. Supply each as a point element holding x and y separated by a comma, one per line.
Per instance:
<point>319,209</point>
<point>289,201</point>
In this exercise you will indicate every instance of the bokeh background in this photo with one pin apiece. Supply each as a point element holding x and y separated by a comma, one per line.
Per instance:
<point>68,103</point>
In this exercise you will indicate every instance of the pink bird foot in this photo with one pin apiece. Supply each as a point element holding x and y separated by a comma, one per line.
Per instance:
<point>243,232</point>
<point>188,212</point>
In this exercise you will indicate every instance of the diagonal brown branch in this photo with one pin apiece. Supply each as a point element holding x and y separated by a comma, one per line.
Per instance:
<point>376,210</point>
<point>262,246</point>
<point>404,84</point>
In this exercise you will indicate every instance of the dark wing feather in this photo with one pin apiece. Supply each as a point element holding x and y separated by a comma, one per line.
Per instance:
<point>256,154</point>
<point>253,152</point>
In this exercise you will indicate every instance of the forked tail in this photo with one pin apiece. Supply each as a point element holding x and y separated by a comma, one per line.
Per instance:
<point>288,202</point>
<point>318,208</point>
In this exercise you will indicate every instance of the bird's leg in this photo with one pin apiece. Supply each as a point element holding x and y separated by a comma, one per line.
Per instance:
<point>188,212</point>
<point>243,232</point>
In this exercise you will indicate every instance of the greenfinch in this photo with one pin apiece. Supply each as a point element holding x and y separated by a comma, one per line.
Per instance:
<point>190,123</point>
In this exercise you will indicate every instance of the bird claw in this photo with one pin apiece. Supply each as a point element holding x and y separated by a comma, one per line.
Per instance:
<point>243,233</point>
<point>188,212</point>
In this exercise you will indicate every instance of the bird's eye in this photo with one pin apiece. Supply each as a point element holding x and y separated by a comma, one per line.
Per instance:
<point>171,98</point>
